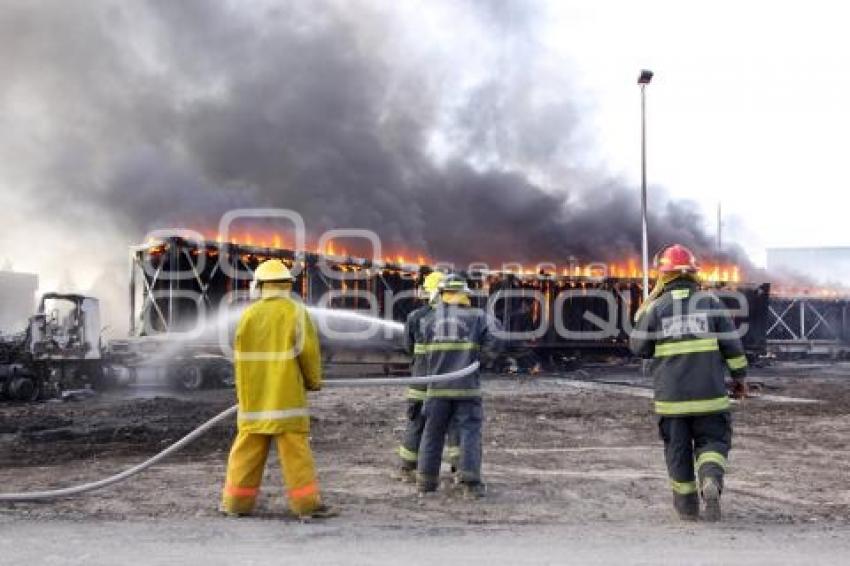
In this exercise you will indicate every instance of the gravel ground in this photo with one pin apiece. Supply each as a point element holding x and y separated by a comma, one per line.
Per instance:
<point>574,474</point>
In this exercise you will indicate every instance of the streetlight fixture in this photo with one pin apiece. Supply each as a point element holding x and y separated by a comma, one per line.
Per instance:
<point>643,80</point>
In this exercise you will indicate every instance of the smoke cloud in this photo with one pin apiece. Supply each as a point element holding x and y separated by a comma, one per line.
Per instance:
<point>443,126</point>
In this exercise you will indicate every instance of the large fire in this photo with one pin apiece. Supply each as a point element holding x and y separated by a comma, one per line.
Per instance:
<point>627,269</point>
<point>276,241</point>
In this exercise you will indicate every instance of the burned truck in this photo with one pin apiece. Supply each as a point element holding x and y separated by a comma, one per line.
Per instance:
<point>61,345</point>
<point>62,349</point>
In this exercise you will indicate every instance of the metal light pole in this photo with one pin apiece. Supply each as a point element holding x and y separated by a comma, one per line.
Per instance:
<point>719,230</point>
<point>643,80</point>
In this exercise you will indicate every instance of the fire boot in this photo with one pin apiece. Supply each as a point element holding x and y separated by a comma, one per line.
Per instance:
<point>687,506</point>
<point>426,484</point>
<point>710,490</point>
<point>320,512</point>
<point>474,490</point>
<point>231,514</point>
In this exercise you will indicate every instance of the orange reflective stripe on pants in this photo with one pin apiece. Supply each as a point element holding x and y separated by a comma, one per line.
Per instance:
<point>236,491</point>
<point>299,472</point>
<point>245,471</point>
<point>306,491</point>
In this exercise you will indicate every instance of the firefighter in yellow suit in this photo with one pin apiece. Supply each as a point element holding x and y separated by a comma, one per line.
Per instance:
<point>276,361</point>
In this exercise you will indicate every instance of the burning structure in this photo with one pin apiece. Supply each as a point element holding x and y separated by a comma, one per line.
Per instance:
<point>557,313</point>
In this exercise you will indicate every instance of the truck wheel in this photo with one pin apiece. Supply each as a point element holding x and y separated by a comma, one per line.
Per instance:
<point>220,374</point>
<point>24,389</point>
<point>190,377</point>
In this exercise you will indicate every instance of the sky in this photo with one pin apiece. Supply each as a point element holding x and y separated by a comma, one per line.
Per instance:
<point>431,122</point>
<point>748,107</point>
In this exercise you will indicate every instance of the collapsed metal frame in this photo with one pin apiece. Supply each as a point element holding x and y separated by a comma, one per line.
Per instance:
<point>584,312</point>
<point>806,324</point>
<point>154,304</point>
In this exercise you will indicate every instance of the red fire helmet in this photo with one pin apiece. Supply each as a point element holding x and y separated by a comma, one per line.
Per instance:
<point>676,258</point>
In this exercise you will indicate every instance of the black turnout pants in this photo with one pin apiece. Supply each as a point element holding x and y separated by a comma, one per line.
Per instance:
<point>696,447</point>
<point>409,449</point>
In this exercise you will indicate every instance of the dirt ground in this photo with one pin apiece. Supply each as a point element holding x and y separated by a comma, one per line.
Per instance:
<point>573,464</point>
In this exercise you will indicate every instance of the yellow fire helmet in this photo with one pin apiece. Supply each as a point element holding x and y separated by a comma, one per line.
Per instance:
<point>454,284</point>
<point>272,270</point>
<point>431,284</point>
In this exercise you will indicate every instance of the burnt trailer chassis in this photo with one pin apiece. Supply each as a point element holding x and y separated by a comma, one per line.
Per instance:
<point>584,312</point>
<point>214,273</point>
<point>801,326</point>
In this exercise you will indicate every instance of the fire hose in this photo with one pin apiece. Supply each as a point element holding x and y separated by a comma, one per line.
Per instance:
<point>204,428</point>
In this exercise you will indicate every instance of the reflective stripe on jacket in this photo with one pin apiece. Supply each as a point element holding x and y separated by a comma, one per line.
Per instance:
<point>692,342</point>
<point>276,361</point>
<point>417,366</point>
<point>451,337</point>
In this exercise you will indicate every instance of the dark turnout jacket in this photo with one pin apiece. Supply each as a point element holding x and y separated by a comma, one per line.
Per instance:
<point>692,342</point>
<point>419,367</point>
<point>449,338</point>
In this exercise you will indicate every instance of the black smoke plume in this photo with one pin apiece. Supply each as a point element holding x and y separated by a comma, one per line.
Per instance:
<point>441,126</point>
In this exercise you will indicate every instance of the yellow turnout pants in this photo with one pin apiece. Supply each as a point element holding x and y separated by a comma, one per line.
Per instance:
<point>245,471</point>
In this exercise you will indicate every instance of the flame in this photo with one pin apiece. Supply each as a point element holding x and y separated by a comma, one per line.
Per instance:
<point>712,272</point>
<point>277,241</point>
<point>716,273</point>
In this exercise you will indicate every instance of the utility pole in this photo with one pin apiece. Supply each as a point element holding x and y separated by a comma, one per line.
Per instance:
<point>719,229</point>
<point>643,80</point>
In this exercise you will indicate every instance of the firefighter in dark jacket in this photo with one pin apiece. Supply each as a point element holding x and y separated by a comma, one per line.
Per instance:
<point>450,337</point>
<point>692,343</point>
<point>408,450</point>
